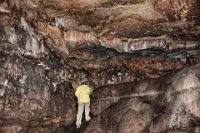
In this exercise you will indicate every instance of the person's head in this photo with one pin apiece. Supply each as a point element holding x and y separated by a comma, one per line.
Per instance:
<point>85,81</point>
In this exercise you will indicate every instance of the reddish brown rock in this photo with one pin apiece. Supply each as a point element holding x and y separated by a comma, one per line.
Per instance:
<point>133,51</point>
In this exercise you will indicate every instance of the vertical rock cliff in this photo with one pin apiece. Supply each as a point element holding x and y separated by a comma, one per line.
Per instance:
<point>140,56</point>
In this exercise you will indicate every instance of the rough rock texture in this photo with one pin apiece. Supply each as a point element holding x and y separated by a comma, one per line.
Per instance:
<point>167,104</point>
<point>132,52</point>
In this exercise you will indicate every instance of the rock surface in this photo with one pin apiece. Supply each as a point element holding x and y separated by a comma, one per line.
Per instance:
<point>136,54</point>
<point>167,104</point>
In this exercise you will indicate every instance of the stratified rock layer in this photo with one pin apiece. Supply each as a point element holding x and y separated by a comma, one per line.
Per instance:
<point>132,52</point>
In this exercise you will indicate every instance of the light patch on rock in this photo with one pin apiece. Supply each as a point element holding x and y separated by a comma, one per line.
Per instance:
<point>2,92</point>
<point>33,46</point>
<point>60,22</point>
<point>23,79</point>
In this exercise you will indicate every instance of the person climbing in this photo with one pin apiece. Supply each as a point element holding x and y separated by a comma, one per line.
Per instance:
<point>83,96</point>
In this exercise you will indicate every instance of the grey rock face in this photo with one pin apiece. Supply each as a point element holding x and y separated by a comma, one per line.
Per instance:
<point>167,104</point>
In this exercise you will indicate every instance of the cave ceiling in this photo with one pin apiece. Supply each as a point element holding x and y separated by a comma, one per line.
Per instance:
<point>135,38</point>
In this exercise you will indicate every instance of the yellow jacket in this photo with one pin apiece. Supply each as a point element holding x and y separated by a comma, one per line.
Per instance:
<point>82,93</point>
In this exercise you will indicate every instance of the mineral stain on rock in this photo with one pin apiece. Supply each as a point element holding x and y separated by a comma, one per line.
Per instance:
<point>140,56</point>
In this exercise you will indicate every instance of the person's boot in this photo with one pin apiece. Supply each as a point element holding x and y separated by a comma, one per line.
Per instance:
<point>78,126</point>
<point>88,118</point>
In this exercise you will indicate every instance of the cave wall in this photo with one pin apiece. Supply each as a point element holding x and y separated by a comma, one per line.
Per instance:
<point>124,48</point>
<point>166,104</point>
